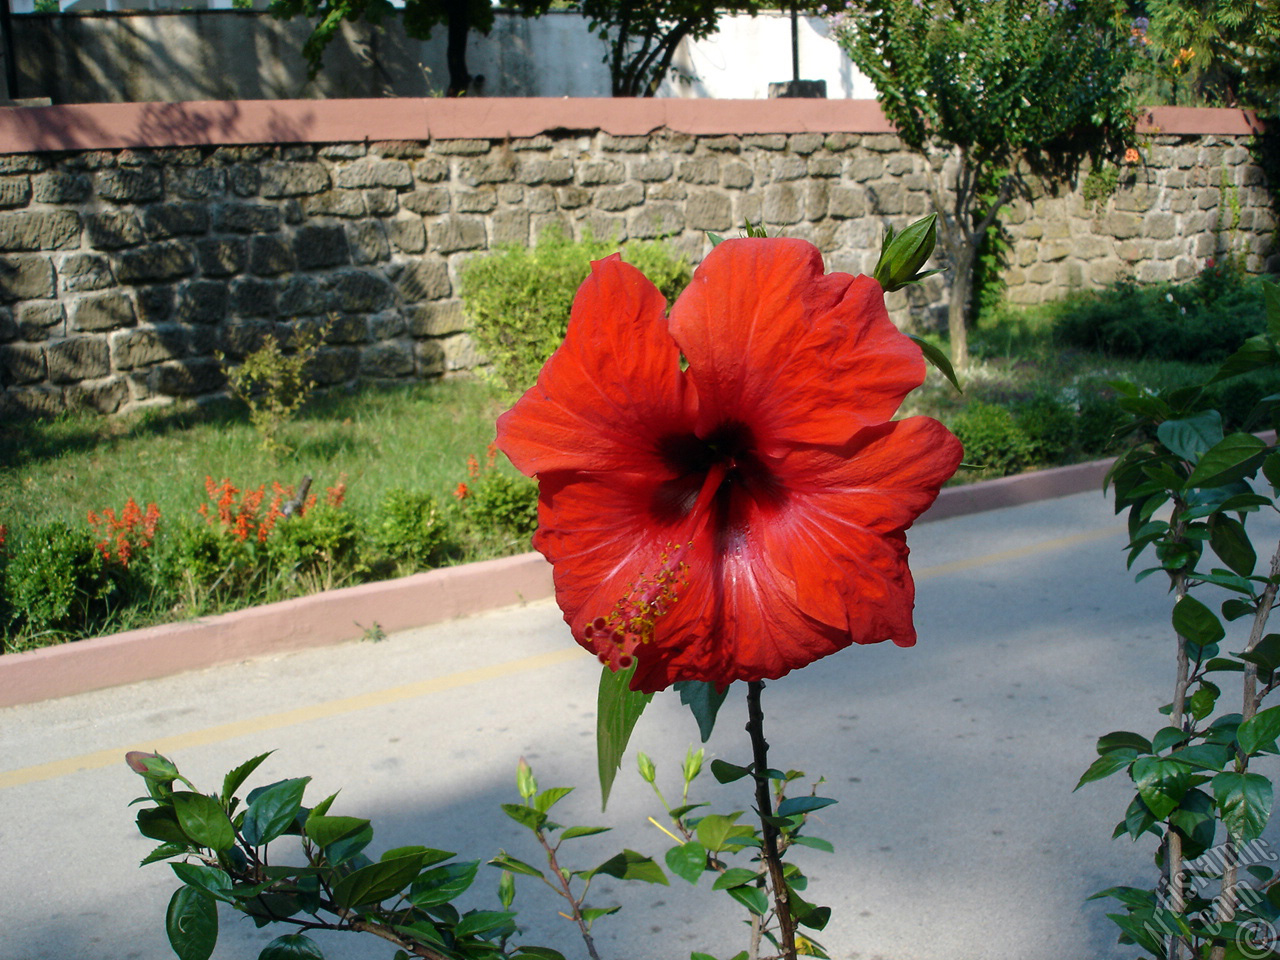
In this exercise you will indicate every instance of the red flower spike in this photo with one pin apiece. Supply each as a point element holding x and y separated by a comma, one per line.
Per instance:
<point>745,516</point>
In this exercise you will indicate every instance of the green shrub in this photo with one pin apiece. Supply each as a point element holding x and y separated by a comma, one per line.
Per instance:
<point>1203,320</point>
<point>993,441</point>
<point>518,299</point>
<point>317,550</point>
<point>502,503</point>
<point>274,384</point>
<point>1049,426</point>
<point>57,581</point>
<point>409,530</point>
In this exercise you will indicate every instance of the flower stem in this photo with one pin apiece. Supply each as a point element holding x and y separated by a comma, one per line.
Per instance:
<point>768,832</point>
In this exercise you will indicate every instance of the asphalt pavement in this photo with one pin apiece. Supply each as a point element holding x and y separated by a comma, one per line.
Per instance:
<point>957,834</point>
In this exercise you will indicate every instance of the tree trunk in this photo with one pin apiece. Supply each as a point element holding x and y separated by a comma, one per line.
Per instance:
<point>963,261</point>
<point>456,49</point>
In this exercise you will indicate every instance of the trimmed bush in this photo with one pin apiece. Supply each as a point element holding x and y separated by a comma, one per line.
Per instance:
<point>993,441</point>
<point>518,299</point>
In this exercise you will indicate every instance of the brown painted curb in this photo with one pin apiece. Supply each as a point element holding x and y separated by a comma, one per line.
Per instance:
<point>425,598</point>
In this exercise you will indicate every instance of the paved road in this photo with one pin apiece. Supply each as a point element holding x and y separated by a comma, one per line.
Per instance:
<point>957,834</point>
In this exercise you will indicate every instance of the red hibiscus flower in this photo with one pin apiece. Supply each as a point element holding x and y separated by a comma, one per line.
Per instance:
<point>746,515</point>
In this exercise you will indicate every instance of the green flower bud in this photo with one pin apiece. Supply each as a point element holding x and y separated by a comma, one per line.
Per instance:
<point>902,255</point>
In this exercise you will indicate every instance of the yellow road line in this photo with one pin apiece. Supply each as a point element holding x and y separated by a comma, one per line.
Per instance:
<point>287,718</point>
<point>408,691</point>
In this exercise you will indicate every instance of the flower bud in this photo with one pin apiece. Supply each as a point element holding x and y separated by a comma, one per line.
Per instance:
<point>647,770</point>
<point>902,255</point>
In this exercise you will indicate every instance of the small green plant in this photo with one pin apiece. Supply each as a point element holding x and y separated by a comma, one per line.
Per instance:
<point>57,582</point>
<point>409,532</point>
<point>274,384</point>
<point>1100,184</point>
<point>518,299</point>
<point>993,440</point>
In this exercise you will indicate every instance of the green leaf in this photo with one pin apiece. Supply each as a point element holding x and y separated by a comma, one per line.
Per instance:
<point>165,851</point>
<point>525,816</point>
<point>1271,297</point>
<point>1123,739</point>
<point>515,866</point>
<point>715,239</point>
<point>735,877</point>
<point>1254,354</point>
<point>1107,764</point>
<point>688,860</point>
<point>728,772</point>
<point>211,880</point>
<point>1161,782</point>
<point>443,884</point>
<point>1201,702</point>
<point>479,922</point>
<point>1234,608</point>
<point>161,823</point>
<point>292,946</point>
<point>539,953</point>
<point>1193,620</point>
<point>1266,652</point>
<point>1205,756</point>
<point>583,832</point>
<point>794,805</point>
<point>1244,800</point>
<point>592,914</point>
<point>716,831</point>
<point>816,842</point>
<point>273,810</point>
<point>939,359</point>
<point>377,881</point>
<point>1233,458</point>
<point>550,797</point>
<point>1192,437</point>
<point>236,778</point>
<point>203,820</point>
<point>1228,539</point>
<point>704,700</point>
<point>192,923</point>
<point>1259,732</point>
<point>629,865</point>
<point>341,838</point>
<point>618,709</point>
<point>753,898</point>
<point>1165,738</point>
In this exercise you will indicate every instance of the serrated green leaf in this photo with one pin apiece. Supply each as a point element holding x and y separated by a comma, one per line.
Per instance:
<point>1161,783</point>
<point>618,708</point>
<point>443,884</point>
<point>548,798</point>
<point>165,851</point>
<point>1193,620</point>
<point>1254,354</point>
<point>629,865</point>
<point>794,805</point>
<point>1259,732</point>
<point>714,830</point>
<point>191,923</point>
<point>704,701</point>
<point>1233,458</point>
<point>479,922</point>
<point>377,881</point>
<point>515,866</point>
<point>1191,437</point>
<point>203,820</point>
<point>273,810</point>
<point>753,898</point>
<point>215,882</point>
<point>728,772</point>
<point>1244,800</point>
<point>236,778</point>
<point>1107,764</point>
<point>525,816</point>
<point>292,946</point>
<point>687,861</point>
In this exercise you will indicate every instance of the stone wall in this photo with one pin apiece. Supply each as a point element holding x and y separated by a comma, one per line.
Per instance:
<point>125,272</point>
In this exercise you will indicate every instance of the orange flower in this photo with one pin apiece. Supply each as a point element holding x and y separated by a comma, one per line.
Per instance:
<point>1132,156</point>
<point>462,491</point>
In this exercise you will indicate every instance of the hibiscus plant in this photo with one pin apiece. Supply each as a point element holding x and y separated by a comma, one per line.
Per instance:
<point>1190,491</point>
<point>724,496</point>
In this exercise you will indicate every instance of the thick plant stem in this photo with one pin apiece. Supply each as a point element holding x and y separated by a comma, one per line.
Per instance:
<point>1177,902</point>
<point>768,832</point>
<point>1228,899</point>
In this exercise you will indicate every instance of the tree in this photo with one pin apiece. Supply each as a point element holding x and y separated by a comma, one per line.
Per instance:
<point>1229,49</point>
<point>990,93</point>
<point>643,35</point>
<point>420,18</point>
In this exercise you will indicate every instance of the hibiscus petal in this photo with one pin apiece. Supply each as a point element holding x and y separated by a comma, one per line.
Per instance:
<point>801,356</point>
<point>610,391</point>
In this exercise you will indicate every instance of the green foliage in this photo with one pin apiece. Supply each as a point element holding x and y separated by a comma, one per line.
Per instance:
<point>317,550</point>
<point>56,582</point>
<point>500,502</point>
<point>274,384</point>
<point>968,81</point>
<point>1204,320</point>
<point>409,529</point>
<point>994,442</point>
<point>1213,52</point>
<point>518,299</point>
<point>1189,488</point>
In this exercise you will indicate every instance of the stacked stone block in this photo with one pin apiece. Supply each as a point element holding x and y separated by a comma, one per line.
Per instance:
<point>125,275</point>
